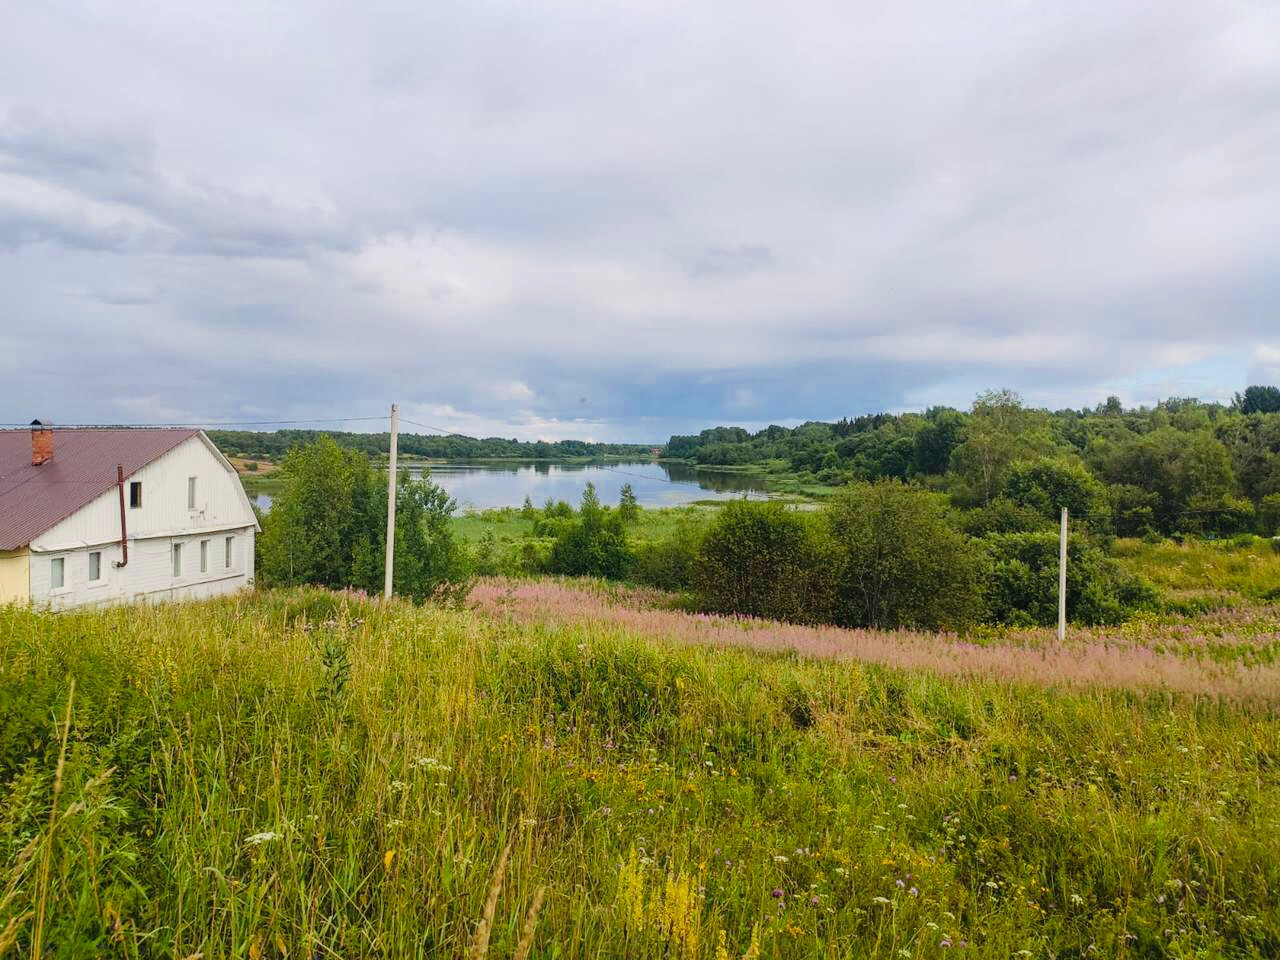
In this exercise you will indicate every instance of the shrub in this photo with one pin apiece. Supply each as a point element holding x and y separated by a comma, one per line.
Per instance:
<point>900,563</point>
<point>763,560</point>
<point>670,564</point>
<point>595,544</point>
<point>430,563</point>
<point>1022,582</point>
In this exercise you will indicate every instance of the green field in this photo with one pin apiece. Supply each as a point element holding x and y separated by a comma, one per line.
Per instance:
<point>507,526</point>
<point>306,774</point>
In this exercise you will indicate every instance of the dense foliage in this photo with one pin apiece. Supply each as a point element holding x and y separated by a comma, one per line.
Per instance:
<point>1021,582</point>
<point>1181,467</point>
<point>327,527</point>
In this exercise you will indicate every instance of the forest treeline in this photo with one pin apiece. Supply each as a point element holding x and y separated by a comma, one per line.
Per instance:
<point>275,444</point>
<point>1183,466</point>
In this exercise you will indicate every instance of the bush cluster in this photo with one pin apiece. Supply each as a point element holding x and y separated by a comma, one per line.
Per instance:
<point>886,555</point>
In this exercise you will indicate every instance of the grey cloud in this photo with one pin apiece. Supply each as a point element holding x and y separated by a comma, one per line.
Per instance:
<point>672,210</point>
<point>732,261</point>
<point>117,166</point>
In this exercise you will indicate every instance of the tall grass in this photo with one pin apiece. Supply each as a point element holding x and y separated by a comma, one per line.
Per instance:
<point>1242,568</point>
<point>1232,653</point>
<point>305,774</point>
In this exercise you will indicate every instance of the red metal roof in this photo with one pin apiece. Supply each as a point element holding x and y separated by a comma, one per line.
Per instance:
<point>33,499</point>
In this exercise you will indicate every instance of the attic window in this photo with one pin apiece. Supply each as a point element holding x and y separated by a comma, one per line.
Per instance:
<point>135,494</point>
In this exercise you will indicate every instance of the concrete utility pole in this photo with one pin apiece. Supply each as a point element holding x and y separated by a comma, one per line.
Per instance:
<point>1062,579</point>
<point>391,502</point>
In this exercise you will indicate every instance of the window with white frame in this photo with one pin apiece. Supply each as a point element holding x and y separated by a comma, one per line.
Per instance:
<point>204,556</point>
<point>191,493</point>
<point>229,554</point>
<point>95,566</point>
<point>57,573</point>
<point>177,559</point>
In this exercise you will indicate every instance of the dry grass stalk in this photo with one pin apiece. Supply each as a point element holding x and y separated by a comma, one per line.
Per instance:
<point>46,855</point>
<point>530,921</point>
<point>479,948</point>
<point>9,935</point>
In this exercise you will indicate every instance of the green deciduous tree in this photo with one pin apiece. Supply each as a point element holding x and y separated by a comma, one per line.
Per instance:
<point>327,505</point>
<point>1000,431</point>
<point>941,433</point>
<point>1269,515</point>
<point>1002,515</point>
<point>328,527</point>
<point>1048,484</point>
<point>430,564</point>
<point>1190,474</point>
<point>899,563</point>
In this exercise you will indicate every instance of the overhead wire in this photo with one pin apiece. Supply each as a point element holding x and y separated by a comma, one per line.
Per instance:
<point>202,423</point>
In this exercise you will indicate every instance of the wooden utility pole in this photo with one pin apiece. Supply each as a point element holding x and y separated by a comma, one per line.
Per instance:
<point>1062,579</point>
<point>391,503</point>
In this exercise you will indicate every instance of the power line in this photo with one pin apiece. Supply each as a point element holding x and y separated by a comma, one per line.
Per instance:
<point>640,476</point>
<point>427,426</point>
<point>201,423</point>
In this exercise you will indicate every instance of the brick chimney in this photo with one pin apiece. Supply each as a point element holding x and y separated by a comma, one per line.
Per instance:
<point>41,442</point>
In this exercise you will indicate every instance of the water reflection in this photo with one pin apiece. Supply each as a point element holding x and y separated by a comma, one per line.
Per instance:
<point>506,484</point>
<point>485,485</point>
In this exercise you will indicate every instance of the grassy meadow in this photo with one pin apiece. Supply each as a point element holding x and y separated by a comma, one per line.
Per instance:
<point>507,526</point>
<point>576,770</point>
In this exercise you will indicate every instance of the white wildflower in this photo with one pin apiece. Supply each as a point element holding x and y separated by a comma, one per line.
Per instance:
<point>431,763</point>
<point>258,839</point>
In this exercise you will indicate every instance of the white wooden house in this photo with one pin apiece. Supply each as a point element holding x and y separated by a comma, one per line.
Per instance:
<point>101,515</point>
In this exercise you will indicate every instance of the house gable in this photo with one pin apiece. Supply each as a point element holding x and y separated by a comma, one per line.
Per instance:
<point>165,507</point>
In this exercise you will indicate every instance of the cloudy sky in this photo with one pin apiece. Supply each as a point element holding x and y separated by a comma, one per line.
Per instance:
<point>627,219</point>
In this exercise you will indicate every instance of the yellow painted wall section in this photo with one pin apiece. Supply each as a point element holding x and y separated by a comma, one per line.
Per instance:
<point>15,576</point>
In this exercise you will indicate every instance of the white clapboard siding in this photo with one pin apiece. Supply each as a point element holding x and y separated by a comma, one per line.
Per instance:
<point>221,510</point>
